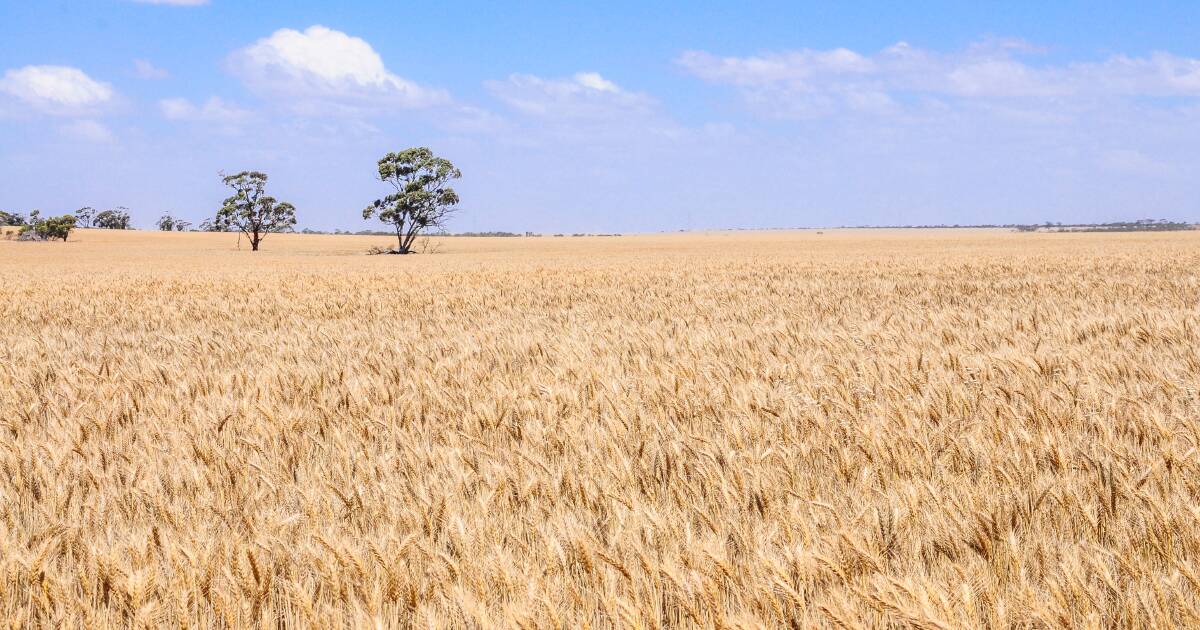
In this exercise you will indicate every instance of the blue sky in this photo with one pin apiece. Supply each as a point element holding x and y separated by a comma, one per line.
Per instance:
<point>617,116</point>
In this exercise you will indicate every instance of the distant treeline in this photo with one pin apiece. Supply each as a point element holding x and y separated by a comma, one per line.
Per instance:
<point>386,233</point>
<point>1141,225</point>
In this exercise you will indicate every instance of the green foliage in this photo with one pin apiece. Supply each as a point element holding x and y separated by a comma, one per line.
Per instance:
<point>116,219</point>
<point>251,211</point>
<point>168,223</point>
<point>51,228</point>
<point>84,215</point>
<point>422,199</point>
<point>11,218</point>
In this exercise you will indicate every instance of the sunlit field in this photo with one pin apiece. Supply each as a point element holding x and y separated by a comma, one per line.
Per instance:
<point>889,429</point>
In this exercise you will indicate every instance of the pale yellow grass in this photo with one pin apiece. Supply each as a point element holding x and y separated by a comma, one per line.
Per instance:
<point>903,429</point>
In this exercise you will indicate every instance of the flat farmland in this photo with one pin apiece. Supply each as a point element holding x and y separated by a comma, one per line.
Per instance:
<point>855,428</point>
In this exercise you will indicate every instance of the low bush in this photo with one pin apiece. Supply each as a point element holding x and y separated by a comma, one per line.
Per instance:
<point>48,229</point>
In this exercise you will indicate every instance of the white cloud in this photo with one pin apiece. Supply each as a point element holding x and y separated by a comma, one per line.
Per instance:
<point>143,69</point>
<point>213,110</point>
<point>792,67</point>
<point>585,95</point>
<point>593,81</point>
<point>87,131</point>
<point>807,83</point>
<point>56,89</point>
<point>174,3</point>
<point>324,69</point>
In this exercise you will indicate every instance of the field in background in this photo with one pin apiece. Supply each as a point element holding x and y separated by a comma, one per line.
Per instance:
<point>928,429</point>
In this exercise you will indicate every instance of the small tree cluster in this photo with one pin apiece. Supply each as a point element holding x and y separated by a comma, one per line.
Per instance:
<point>167,223</point>
<point>209,225</point>
<point>50,228</point>
<point>115,219</point>
<point>423,199</point>
<point>11,218</point>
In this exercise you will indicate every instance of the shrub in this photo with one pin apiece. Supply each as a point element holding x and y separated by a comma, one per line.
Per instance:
<point>50,228</point>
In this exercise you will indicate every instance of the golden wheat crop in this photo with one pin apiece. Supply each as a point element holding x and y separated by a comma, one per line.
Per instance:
<point>921,429</point>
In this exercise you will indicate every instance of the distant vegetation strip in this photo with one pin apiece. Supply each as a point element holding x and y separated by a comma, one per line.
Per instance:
<point>1141,225</point>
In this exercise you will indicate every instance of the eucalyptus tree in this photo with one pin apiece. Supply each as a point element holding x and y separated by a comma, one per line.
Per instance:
<point>423,197</point>
<point>115,219</point>
<point>251,211</point>
<point>83,216</point>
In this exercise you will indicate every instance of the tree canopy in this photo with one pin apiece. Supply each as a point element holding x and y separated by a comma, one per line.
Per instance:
<point>50,228</point>
<point>11,218</point>
<point>115,219</point>
<point>168,223</point>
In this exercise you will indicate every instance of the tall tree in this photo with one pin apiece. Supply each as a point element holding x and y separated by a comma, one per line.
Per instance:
<point>251,211</point>
<point>83,216</point>
<point>423,198</point>
<point>166,223</point>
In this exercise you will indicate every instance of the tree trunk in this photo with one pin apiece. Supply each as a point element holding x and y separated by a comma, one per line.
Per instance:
<point>409,237</point>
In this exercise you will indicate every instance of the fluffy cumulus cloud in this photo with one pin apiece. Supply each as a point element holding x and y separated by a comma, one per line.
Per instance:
<point>320,66</point>
<point>582,96</point>
<point>214,109</point>
<point>56,89</point>
<point>811,83</point>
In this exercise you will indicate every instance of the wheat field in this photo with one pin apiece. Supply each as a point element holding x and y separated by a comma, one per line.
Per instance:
<point>879,429</point>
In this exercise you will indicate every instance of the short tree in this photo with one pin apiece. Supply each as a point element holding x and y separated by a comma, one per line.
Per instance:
<point>168,223</point>
<point>51,228</point>
<point>116,219</point>
<point>251,211</point>
<point>422,199</point>
<point>83,216</point>
<point>209,225</point>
